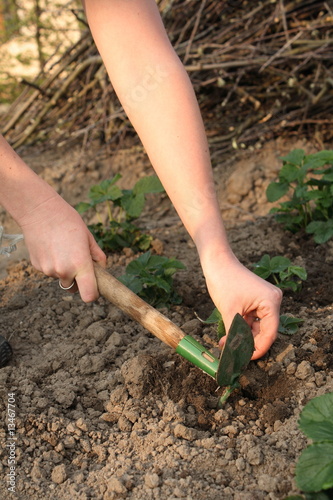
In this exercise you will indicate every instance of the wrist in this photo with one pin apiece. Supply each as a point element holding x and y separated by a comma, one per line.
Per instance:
<point>211,242</point>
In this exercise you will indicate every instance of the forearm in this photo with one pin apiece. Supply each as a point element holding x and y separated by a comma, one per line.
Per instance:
<point>22,192</point>
<point>158,97</point>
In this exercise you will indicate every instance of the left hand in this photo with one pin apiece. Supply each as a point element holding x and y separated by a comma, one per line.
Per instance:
<point>235,289</point>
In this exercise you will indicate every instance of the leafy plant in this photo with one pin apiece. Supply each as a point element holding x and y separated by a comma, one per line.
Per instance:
<point>314,469</point>
<point>288,325</point>
<point>280,271</point>
<point>151,277</point>
<point>123,206</point>
<point>320,495</point>
<point>308,180</point>
<point>216,317</point>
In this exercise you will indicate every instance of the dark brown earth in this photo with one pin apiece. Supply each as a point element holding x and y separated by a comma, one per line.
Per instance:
<point>104,410</point>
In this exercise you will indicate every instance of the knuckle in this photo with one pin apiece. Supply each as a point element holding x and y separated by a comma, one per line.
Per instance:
<point>277,294</point>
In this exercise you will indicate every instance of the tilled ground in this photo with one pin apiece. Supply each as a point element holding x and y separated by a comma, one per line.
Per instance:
<point>104,410</point>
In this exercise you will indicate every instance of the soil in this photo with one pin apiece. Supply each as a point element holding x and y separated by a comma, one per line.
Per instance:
<point>104,410</point>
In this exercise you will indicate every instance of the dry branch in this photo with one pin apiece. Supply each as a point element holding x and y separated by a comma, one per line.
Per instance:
<point>258,71</point>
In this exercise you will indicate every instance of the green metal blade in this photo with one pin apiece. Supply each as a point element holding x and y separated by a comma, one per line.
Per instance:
<point>236,353</point>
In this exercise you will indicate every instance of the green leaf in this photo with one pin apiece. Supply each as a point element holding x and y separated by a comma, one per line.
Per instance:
<point>149,184</point>
<point>301,194</point>
<point>161,283</point>
<point>104,191</point>
<point>316,194</point>
<point>322,230</point>
<point>316,419</point>
<point>138,265</point>
<point>325,156</point>
<point>289,173</point>
<point>328,176</point>
<point>275,191</point>
<point>172,266</point>
<point>82,207</point>
<point>288,325</point>
<point>314,469</point>
<point>155,274</point>
<point>295,157</point>
<point>320,495</point>
<point>263,267</point>
<point>279,264</point>
<point>299,271</point>
<point>292,285</point>
<point>132,282</point>
<point>143,241</point>
<point>133,204</point>
<point>214,317</point>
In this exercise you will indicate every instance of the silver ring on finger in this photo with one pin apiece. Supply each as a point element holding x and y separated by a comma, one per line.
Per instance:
<point>66,287</point>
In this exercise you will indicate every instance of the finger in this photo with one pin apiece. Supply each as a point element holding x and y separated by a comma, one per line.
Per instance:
<point>85,278</point>
<point>68,285</point>
<point>87,284</point>
<point>96,252</point>
<point>264,331</point>
<point>254,323</point>
<point>267,335</point>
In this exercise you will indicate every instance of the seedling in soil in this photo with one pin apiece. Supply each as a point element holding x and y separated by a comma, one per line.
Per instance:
<point>239,348</point>
<point>281,272</point>
<point>307,181</point>
<point>289,325</point>
<point>236,354</point>
<point>123,206</point>
<point>314,469</point>
<point>151,278</point>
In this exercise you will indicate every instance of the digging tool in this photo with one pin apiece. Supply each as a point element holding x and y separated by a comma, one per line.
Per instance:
<point>236,353</point>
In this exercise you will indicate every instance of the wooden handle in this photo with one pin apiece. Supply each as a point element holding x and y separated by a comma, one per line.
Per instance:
<point>122,297</point>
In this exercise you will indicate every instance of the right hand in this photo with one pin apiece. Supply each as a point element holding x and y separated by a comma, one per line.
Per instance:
<point>60,245</point>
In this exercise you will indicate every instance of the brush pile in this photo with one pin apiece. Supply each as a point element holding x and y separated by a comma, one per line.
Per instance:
<point>260,69</point>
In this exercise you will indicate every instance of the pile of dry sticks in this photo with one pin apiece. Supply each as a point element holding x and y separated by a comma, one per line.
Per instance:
<point>271,61</point>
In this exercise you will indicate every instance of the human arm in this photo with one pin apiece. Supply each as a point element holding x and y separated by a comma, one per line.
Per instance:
<point>158,98</point>
<point>59,243</point>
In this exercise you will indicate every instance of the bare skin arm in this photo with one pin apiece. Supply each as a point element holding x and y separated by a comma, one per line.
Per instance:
<point>158,97</point>
<point>59,243</point>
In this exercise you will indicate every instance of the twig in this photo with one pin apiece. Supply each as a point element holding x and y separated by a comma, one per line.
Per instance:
<point>195,28</point>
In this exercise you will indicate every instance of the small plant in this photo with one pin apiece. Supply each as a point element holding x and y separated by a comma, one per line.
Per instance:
<point>308,180</point>
<point>280,271</point>
<point>123,206</point>
<point>216,318</point>
<point>314,469</point>
<point>151,278</point>
<point>288,325</point>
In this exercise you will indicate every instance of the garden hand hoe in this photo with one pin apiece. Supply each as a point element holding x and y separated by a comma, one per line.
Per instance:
<point>237,351</point>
